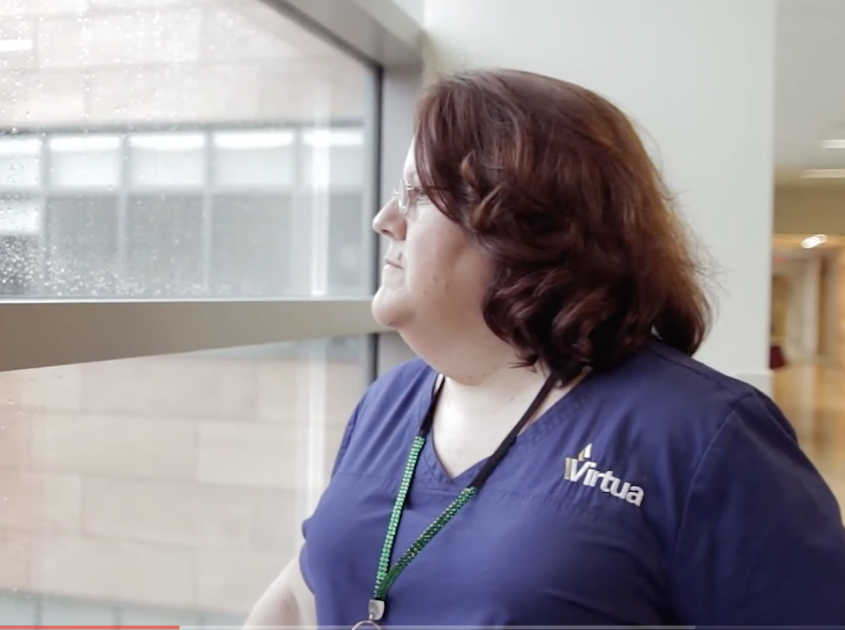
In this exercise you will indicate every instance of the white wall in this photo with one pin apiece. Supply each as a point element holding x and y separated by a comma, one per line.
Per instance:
<point>698,76</point>
<point>414,8</point>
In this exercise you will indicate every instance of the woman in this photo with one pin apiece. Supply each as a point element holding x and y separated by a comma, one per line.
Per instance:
<point>573,465</point>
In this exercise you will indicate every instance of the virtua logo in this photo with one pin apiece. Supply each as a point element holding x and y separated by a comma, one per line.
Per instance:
<point>580,469</point>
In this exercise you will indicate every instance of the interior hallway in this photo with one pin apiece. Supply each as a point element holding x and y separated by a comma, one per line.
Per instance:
<point>813,398</point>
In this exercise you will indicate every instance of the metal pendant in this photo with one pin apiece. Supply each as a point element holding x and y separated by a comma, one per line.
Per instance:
<point>376,611</point>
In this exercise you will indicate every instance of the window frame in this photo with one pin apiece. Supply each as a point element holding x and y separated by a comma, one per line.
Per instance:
<point>61,332</point>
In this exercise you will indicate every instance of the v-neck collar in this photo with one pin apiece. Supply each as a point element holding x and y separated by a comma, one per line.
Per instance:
<point>561,411</point>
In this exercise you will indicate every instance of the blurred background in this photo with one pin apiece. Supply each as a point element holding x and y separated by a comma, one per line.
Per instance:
<point>186,262</point>
<point>807,316</point>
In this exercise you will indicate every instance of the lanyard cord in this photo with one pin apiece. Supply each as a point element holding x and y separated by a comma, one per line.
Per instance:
<point>386,575</point>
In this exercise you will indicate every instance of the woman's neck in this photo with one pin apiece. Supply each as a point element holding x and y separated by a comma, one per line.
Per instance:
<point>482,377</point>
<point>485,384</point>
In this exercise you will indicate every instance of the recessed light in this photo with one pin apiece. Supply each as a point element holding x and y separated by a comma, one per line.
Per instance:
<point>835,143</point>
<point>813,241</point>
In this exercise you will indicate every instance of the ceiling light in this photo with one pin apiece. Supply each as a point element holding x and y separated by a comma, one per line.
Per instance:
<point>84,144</point>
<point>20,145</point>
<point>253,139</point>
<point>824,173</point>
<point>15,45</point>
<point>813,241</point>
<point>334,138</point>
<point>168,142</point>
<point>836,143</point>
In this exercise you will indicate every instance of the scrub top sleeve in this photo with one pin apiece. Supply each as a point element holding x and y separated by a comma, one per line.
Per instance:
<point>304,563</point>
<point>761,540</point>
<point>347,436</point>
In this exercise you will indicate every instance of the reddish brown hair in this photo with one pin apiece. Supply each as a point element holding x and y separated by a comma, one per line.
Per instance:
<point>553,183</point>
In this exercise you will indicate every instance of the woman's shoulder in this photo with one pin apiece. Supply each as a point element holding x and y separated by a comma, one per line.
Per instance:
<point>407,374</point>
<point>687,425</point>
<point>751,507</point>
<point>404,384</point>
<point>660,371</point>
<point>738,501</point>
<point>386,417</point>
<point>673,393</point>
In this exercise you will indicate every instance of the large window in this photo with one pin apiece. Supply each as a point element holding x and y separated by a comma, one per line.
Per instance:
<point>264,210</point>
<point>165,489</point>
<point>163,149</point>
<point>186,260</point>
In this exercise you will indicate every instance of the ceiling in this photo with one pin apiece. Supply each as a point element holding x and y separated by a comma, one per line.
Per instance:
<point>810,86</point>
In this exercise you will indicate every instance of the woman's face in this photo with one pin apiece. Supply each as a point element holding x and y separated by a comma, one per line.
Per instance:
<point>433,280</point>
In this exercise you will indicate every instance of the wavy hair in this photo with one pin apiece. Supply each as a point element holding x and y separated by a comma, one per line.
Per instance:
<point>553,184</point>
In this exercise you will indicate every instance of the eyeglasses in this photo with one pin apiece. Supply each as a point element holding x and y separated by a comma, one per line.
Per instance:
<point>403,193</point>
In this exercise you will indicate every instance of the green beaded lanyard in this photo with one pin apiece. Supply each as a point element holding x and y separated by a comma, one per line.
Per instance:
<point>386,575</point>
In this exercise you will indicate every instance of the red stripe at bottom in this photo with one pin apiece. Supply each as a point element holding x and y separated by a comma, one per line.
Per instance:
<point>77,627</point>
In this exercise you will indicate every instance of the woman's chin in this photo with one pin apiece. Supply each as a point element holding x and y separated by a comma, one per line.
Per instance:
<point>390,309</point>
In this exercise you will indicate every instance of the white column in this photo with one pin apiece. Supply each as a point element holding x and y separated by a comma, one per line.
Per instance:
<point>698,77</point>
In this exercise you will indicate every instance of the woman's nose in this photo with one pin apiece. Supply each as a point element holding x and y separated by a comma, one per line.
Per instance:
<point>389,222</point>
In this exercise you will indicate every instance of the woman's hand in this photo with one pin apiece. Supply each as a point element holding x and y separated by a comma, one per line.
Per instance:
<point>287,602</point>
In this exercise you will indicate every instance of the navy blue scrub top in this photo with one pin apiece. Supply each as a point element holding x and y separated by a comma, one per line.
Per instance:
<point>661,492</point>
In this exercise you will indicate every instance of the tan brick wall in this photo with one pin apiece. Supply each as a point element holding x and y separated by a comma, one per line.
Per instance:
<point>108,61</point>
<point>174,481</point>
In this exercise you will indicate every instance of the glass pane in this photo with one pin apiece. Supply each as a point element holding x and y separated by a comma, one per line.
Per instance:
<point>166,489</point>
<point>138,616</point>
<point>91,161</point>
<point>17,609</point>
<point>347,239</point>
<point>82,235</point>
<point>229,105</point>
<point>255,159</point>
<point>246,260</point>
<point>58,611</point>
<point>20,215</point>
<point>167,160</point>
<point>19,264</point>
<point>335,159</point>
<point>20,162</point>
<point>165,246</point>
